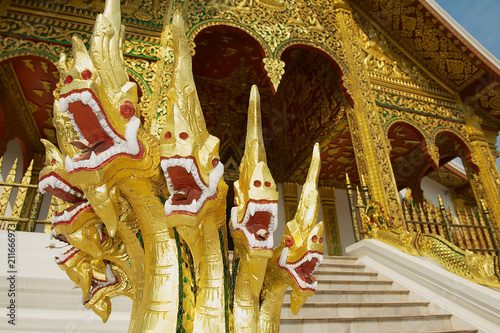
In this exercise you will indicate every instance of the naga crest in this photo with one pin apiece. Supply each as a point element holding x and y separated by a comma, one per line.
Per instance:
<point>143,214</point>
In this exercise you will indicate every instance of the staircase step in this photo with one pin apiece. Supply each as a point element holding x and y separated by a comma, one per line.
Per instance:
<point>340,267</point>
<point>338,260</point>
<point>343,296</point>
<point>345,275</point>
<point>386,324</point>
<point>354,285</point>
<point>447,331</point>
<point>355,309</point>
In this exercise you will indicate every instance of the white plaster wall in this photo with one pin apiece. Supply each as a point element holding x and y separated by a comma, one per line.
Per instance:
<point>344,219</point>
<point>280,231</point>
<point>432,189</point>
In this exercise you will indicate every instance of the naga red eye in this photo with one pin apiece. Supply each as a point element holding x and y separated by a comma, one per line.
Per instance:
<point>183,135</point>
<point>267,184</point>
<point>86,74</point>
<point>168,136</point>
<point>127,110</point>
<point>289,242</point>
<point>321,240</point>
<point>68,79</point>
<point>257,183</point>
<point>314,238</point>
<point>215,161</point>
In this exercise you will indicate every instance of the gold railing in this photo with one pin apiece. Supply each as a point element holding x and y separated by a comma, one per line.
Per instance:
<point>25,201</point>
<point>466,244</point>
<point>473,231</point>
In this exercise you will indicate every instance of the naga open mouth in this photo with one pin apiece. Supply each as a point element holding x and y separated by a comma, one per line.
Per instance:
<point>98,139</point>
<point>258,224</point>
<point>65,256</point>
<point>188,192</point>
<point>53,183</point>
<point>97,284</point>
<point>302,269</point>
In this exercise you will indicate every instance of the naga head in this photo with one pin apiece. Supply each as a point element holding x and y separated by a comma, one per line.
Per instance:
<point>98,98</point>
<point>97,118</point>
<point>98,280</point>
<point>189,154</point>
<point>77,220</point>
<point>301,249</point>
<point>255,217</point>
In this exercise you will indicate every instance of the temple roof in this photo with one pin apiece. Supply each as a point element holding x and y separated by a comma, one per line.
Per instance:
<point>450,55</point>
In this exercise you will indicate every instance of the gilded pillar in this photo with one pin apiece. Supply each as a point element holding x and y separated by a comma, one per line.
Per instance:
<point>485,179</point>
<point>371,146</point>
<point>290,200</point>
<point>331,231</point>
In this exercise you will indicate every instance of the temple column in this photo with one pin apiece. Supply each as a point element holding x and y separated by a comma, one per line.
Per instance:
<point>331,232</point>
<point>484,176</point>
<point>290,200</point>
<point>371,145</point>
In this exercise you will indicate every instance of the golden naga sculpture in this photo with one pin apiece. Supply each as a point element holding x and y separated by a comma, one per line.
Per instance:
<point>144,214</point>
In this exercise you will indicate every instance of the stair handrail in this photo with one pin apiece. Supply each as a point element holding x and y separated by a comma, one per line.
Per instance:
<point>375,223</point>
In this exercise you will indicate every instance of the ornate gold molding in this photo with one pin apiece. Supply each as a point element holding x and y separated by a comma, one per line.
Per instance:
<point>328,206</point>
<point>290,199</point>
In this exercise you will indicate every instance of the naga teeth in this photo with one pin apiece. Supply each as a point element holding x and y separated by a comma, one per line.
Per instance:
<point>99,229</point>
<point>110,277</point>
<point>56,183</point>
<point>274,210</point>
<point>63,104</point>
<point>85,96</point>
<point>252,208</point>
<point>291,267</point>
<point>67,216</point>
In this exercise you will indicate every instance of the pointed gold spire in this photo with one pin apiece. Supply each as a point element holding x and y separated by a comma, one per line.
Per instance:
<point>255,150</point>
<point>307,210</point>
<point>106,46</point>
<point>186,105</point>
<point>52,154</point>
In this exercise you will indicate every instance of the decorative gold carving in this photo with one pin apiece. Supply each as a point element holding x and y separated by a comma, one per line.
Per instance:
<point>365,122</point>
<point>275,69</point>
<point>327,196</point>
<point>289,199</point>
<point>478,268</point>
<point>420,38</point>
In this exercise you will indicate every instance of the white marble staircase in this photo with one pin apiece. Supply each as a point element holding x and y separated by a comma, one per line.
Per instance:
<point>352,298</point>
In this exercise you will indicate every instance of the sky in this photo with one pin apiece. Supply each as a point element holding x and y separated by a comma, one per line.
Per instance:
<point>481,19</point>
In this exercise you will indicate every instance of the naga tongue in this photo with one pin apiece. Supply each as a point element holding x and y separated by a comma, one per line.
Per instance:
<point>258,224</point>
<point>182,194</point>
<point>305,270</point>
<point>96,148</point>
